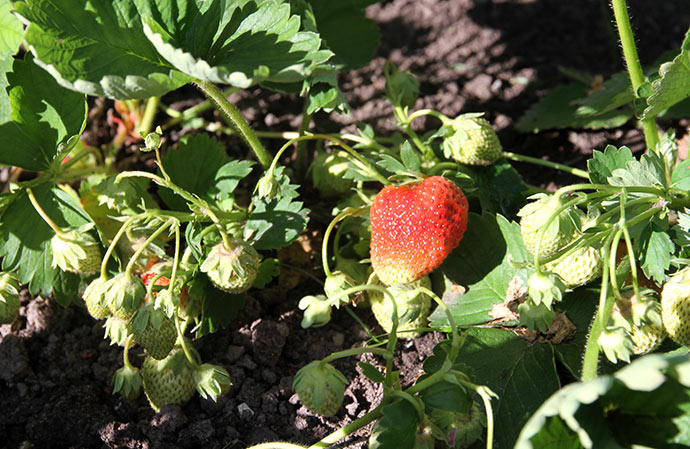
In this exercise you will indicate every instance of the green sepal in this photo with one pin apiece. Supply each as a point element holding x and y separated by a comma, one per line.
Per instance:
<point>545,287</point>
<point>317,311</point>
<point>536,316</point>
<point>125,292</point>
<point>94,298</point>
<point>127,382</point>
<point>211,381</point>
<point>116,330</point>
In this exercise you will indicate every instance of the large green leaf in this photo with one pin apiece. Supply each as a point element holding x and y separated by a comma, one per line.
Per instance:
<point>11,30</point>
<point>522,374</point>
<point>673,84</point>
<point>646,403</point>
<point>36,114</point>
<point>397,427</point>
<point>614,93</point>
<point>579,307</point>
<point>558,109</point>
<point>482,263</point>
<point>25,237</point>
<point>240,43</point>
<point>602,164</point>
<point>97,47</point>
<point>347,31</point>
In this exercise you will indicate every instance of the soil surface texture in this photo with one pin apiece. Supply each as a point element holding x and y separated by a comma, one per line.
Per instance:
<point>496,57</point>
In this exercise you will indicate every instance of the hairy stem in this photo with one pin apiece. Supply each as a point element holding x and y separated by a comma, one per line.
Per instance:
<point>632,61</point>
<point>555,165</point>
<point>233,116</point>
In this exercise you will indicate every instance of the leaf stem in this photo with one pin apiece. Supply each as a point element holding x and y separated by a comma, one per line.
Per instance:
<point>113,244</point>
<point>146,122</point>
<point>43,214</point>
<point>555,165</point>
<point>183,343</point>
<point>347,212</point>
<point>632,61</point>
<point>233,116</point>
<point>591,358</point>
<point>348,429</point>
<point>147,242</point>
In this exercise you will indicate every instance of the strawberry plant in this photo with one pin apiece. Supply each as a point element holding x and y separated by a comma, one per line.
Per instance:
<point>164,230</point>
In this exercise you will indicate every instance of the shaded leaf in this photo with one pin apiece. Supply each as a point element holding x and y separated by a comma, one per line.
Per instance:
<point>655,249</point>
<point>218,307</point>
<point>613,93</point>
<point>673,84</point>
<point>482,263</point>
<point>25,237</point>
<point>397,427</point>
<point>522,374</point>
<point>680,179</point>
<point>558,110</point>
<point>646,403</point>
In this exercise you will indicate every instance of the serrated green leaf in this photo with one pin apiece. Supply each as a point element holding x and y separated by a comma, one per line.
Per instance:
<point>276,223</point>
<point>682,229</point>
<point>390,164</point>
<point>219,308</point>
<point>97,47</point>
<point>240,43</point>
<point>25,237</point>
<point>397,427</point>
<point>522,374</point>
<point>324,94</point>
<point>558,110</point>
<point>193,165</point>
<point>680,179</point>
<point>481,262</point>
<point>655,250</point>
<point>37,115</point>
<point>347,31</point>
<point>602,164</point>
<point>649,171</point>
<point>371,372</point>
<point>499,188</point>
<point>673,84</point>
<point>410,157</point>
<point>229,176</point>
<point>646,403</point>
<point>614,93</point>
<point>11,30</point>
<point>268,269</point>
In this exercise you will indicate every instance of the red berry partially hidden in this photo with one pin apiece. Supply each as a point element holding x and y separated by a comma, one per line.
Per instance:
<point>414,227</point>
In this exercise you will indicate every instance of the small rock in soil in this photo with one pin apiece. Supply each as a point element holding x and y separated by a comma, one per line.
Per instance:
<point>268,340</point>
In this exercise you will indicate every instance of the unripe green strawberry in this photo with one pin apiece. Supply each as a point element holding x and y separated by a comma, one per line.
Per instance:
<point>168,381</point>
<point>320,387</point>
<point>232,269</point>
<point>124,294</point>
<point>94,298</point>
<point>327,172</point>
<point>413,307</point>
<point>459,430</point>
<point>472,140</point>
<point>559,232</point>
<point>9,298</point>
<point>641,319</point>
<point>153,330</point>
<point>414,227</point>
<point>579,267</point>
<point>76,251</point>
<point>675,307</point>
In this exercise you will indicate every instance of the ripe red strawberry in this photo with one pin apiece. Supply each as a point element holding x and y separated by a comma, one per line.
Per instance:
<point>414,227</point>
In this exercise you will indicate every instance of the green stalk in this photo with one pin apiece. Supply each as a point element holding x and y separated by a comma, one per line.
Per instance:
<point>43,214</point>
<point>147,242</point>
<point>591,358</point>
<point>348,429</point>
<point>183,342</point>
<point>230,113</point>
<point>555,165</point>
<point>276,445</point>
<point>146,121</point>
<point>632,61</point>
<point>113,244</point>
<point>302,161</point>
<point>356,351</point>
<point>194,111</point>
<point>324,246</point>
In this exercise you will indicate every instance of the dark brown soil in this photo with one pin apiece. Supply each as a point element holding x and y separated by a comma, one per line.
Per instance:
<point>470,55</point>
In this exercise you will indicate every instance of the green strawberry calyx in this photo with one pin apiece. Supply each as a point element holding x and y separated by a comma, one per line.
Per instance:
<point>127,382</point>
<point>211,381</point>
<point>545,288</point>
<point>76,250</point>
<point>548,224</point>
<point>232,269</point>
<point>94,298</point>
<point>336,283</point>
<point>124,293</point>
<point>317,310</point>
